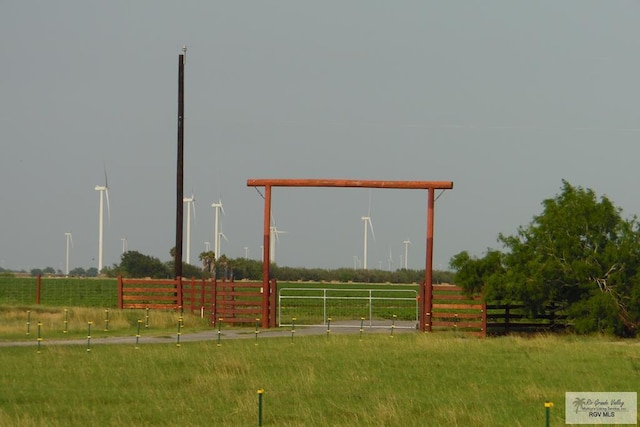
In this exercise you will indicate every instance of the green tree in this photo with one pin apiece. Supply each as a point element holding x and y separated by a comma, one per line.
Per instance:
<point>579,253</point>
<point>135,264</point>
<point>78,272</point>
<point>208,259</point>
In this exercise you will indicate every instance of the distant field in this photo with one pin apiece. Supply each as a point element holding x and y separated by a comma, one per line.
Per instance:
<point>77,292</point>
<point>409,380</point>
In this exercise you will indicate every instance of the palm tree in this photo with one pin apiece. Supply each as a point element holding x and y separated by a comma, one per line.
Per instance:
<point>208,259</point>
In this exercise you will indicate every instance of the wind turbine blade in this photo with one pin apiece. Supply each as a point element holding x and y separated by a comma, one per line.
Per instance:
<point>223,236</point>
<point>71,239</point>
<point>106,179</point>
<point>373,234</point>
<point>108,205</point>
<point>221,207</point>
<point>193,207</point>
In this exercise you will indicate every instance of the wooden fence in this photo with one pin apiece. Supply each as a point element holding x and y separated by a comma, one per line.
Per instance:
<point>454,310</point>
<point>227,302</point>
<point>246,302</point>
<point>506,318</point>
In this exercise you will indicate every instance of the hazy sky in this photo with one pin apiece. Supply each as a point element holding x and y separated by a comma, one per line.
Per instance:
<point>504,98</point>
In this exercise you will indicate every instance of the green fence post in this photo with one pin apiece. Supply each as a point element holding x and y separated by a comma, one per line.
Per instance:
<point>547,408</point>
<point>179,327</point>
<point>328,326</point>
<point>28,322</point>
<point>66,321</point>
<point>361,327</point>
<point>260,393</point>
<point>219,326</point>
<point>293,327</point>
<point>89,336</point>
<point>39,337</point>
<point>106,320</point>
<point>138,335</point>
<point>257,332</point>
<point>393,324</point>
<point>146,319</point>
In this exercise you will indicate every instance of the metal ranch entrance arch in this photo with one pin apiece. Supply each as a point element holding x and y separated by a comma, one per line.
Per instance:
<point>426,287</point>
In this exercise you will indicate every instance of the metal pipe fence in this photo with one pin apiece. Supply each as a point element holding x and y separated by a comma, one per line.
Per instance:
<point>347,307</point>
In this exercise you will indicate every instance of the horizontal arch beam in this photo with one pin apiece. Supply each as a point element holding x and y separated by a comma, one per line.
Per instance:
<point>358,183</point>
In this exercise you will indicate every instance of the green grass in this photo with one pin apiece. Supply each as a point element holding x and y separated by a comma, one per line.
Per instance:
<point>20,323</point>
<point>60,291</point>
<point>409,380</point>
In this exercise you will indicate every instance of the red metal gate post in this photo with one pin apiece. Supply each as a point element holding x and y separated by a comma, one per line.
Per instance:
<point>273,308</point>
<point>120,292</point>
<point>266,292</point>
<point>427,308</point>
<point>266,256</point>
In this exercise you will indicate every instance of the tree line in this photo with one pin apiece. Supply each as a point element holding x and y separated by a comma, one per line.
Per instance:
<point>136,264</point>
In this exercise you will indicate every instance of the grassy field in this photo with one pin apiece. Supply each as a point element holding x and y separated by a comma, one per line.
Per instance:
<point>410,379</point>
<point>341,380</point>
<point>20,323</point>
<point>60,291</point>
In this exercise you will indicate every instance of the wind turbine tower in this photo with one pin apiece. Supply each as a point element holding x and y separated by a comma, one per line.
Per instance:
<point>367,224</point>
<point>190,201</point>
<point>406,252</point>
<point>69,244</point>
<point>275,233</point>
<point>216,231</point>
<point>104,190</point>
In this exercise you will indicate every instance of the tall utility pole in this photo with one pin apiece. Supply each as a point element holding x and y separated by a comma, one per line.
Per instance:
<point>177,269</point>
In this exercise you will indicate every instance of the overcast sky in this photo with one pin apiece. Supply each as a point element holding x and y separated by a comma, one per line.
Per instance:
<point>504,98</point>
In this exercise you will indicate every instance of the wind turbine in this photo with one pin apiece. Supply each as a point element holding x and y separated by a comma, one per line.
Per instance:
<point>216,232</point>
<point>246,252</point>
<point>406,252</point>
<point>275,233</point>
<point>221,234</point>
<point>103,189</point>
<point>190,201</point>
<point>366,221</point>
<point>69,242</point>
<point>207,246</point>
<point>125,246</point>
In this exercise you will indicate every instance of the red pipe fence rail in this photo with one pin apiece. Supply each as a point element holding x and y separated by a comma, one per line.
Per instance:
<point>225,301</point>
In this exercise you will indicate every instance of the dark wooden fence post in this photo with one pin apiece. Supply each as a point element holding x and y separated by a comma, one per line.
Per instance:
<point>506,317</point>
<point>179,287</point>
<point>484,319</point>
